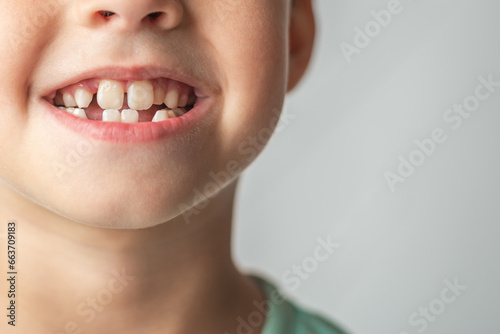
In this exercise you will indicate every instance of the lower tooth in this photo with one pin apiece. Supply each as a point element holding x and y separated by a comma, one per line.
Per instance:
<point>161,115</point>
<point>80,113</point>
<point>130,116</point>
<point>111,115</point>
<point>179,112</point>
<point>171,113</point>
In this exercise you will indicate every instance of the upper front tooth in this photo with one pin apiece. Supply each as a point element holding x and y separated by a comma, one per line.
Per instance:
<point>69,100</point>
<point>83,98</point>
<point>110,94</point>
<point>172,98</point>
<point>140,95</point>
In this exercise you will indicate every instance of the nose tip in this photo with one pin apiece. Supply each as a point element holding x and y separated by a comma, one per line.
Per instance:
<point>129,15</point>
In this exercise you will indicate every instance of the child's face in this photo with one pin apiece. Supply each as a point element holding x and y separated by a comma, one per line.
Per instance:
<point>228,57</point>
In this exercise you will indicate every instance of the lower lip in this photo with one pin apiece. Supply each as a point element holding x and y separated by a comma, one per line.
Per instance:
<point>143,132</point>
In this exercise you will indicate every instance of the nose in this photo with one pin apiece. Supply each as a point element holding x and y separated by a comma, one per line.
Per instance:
<point>129,15</point>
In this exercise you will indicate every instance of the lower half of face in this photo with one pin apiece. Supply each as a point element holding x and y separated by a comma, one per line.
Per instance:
<point>128,120</point>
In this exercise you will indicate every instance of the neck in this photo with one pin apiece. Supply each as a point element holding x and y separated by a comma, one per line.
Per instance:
<point>156,280</point>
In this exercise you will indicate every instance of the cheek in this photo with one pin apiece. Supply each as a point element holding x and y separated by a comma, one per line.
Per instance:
<point>27,27</point>
<point>251,43</point>
<point>24,26</point>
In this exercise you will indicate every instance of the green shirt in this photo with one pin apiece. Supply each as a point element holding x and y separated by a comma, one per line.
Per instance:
<point>284,317</point>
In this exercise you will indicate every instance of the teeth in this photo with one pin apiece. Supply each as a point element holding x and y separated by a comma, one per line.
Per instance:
<point>172,98</point>
<point>83,98</point>
<point>130,116</point>
<point>80,113</point>
<point>161,115</point>
<point>69,100</point>
<point>110,95</point>
<point>191,100</point>
<point>140,95</point>
<point>179,112</point>
<point>159,95</point>
<point>111,115</point>
<point>183,100</point>
<point>171,113</point>
<point>58,100</point>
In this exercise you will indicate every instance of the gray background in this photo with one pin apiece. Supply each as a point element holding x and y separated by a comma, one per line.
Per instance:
<point>324,173</point>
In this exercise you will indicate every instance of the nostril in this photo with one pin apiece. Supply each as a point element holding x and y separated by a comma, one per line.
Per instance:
<point>155,15</point>
<point>123,16</point>
<point>106,13</point>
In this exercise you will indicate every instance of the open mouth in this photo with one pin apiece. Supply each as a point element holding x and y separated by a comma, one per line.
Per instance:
<point>104,100</point>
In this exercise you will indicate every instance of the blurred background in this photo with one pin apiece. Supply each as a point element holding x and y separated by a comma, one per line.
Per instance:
<point>393,154</point>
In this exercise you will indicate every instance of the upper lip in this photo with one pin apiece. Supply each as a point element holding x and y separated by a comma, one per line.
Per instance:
<point>131,73</point>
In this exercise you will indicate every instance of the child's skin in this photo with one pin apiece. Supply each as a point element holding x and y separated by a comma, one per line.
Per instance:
<point>118,208</point>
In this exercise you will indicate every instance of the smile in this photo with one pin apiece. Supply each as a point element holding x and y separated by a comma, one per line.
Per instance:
<point>127,109</point>
<point>107,100</point>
